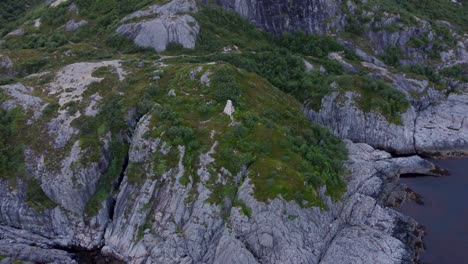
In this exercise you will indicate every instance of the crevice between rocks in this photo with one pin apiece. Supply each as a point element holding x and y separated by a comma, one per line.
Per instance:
<point>417,110</point>
<point>95,256</point>
<point>117,185</point>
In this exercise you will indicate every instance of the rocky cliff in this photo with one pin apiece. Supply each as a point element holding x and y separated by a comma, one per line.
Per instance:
<point>435,122</point>
<point>115,147</point>
<point>433,125</point>
<point>311,16</point>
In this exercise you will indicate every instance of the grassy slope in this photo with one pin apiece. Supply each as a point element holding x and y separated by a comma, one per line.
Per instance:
<point>273,137</point>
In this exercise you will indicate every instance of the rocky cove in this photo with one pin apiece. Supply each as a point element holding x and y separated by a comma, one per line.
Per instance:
<point>443,213</point>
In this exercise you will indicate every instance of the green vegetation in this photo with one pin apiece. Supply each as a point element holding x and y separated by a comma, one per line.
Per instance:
<point>245,209</point>
<point>11,12</point>
<point>108,180</point>
<point>280,59</point>
<point>220,28</point>
<point>392,56</point>
<point>226,85</point>
<point>313,45</point>
<point>426,9</point>
<point>431,10</point>
<point>12,167</point>
<point>35,196</point>
<point>437,78</point>
<point>291,163</point>
<point>457,72</point>
<point>11,153</point>
<point>285,154</point>
<point>406,13</point>
<point>110,120</point>
<point>376,96</point>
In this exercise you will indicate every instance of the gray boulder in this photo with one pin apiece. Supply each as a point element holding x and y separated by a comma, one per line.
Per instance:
<point>21,95</point>
<point>73,25</point>
<point>163,25</point>
<point>5,62</point>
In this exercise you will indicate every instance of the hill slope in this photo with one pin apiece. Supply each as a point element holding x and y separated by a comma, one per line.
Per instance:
<point>114,142</point>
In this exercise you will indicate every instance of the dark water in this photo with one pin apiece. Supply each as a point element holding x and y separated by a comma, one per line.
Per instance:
<point>444,213</point>
<point>95,257</point>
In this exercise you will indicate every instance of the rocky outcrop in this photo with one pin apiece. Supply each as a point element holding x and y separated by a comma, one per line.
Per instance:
<point>276,16</point>
<point>159,210</point>
<point>61,171</point>
<point>21,95</point>
<point>457,55</point>
<point>160,26</point>
<point>443,128</point>
<point>346,120</point>
<point>381,29</point>
<point>434,124</point>
<point>20,244</point>
<point>163,212</point>
<point>74,25</point>
<point>55,3</point>
<point>439,130</point>
<point>6,66</point>
<point>162,221</point>
<point>15,33</point>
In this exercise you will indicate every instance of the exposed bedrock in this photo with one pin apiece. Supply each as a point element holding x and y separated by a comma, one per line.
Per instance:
<point>438,129</point>
<point>159,220</point>
<point>277,16</point>
<point>434,124</point>
<point>159,26</point>
<point>162,221</point>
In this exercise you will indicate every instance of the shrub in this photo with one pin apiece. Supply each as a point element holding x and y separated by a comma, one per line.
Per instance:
<point>56,16</point>
<point>310,45</point>
<point>11,153</point>
<point>458,72</point>
<point>225,85</point>
<point>376,96</point>
<point>11,10</point>
<point>35,196</point>
<point>392,55</point>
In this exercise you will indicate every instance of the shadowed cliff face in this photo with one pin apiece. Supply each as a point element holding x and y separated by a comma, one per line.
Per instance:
<point>278,16</point>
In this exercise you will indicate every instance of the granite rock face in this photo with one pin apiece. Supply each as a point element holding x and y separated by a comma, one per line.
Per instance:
<point>381,38</point>
<point>381,30</point>
<point>6,66</point>
<point>346,120</point>
<point>166,222</point>
<point>162,221</point>
<point>60,169</point>
<point>159,219</point>
<point>433,125</point>
<point>443,128</point>
<point>276,16</point>
<point>21,95</point>
<point>73,25</point>
<point>160,26</point>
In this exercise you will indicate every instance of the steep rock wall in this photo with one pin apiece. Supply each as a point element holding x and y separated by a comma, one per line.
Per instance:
<point>278,16</point>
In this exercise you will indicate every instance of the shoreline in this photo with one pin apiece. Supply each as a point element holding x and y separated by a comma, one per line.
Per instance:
<point>419,201</point>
